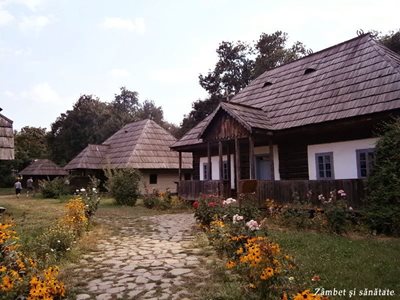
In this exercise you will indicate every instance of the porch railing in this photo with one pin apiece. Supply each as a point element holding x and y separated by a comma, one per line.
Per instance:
<point>285,191</point>
<point>192,189</point>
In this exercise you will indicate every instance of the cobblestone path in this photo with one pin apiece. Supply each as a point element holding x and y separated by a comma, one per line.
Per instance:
<point>149,258</point>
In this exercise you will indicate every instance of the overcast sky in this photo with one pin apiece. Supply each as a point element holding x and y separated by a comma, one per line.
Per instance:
<point>52,51</point>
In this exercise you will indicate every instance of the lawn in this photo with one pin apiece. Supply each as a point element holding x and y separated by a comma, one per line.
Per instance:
<point>343,262</point>
<point>351,262</point>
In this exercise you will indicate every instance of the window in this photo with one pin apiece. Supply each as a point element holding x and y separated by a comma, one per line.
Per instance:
<point>205,171</point>
<point>153,178</point>
<point>365,162</point>
<point>225,172</point>
<point>324,164</point>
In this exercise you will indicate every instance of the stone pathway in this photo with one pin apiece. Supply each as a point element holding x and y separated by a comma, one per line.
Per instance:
<point>150,258</point>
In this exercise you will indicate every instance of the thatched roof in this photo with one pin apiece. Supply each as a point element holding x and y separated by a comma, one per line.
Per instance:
<point>140,145</point>
<point>6,138</point>
<point>355,78</point>
<point>43,167</point>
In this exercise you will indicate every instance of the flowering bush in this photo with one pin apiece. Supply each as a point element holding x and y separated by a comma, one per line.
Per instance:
<point>75,217</point>
<point>20,276</point>
<point>263,267</point>
<point>90,196</point>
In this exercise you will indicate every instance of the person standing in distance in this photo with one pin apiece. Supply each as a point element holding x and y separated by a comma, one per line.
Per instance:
<point>18,188</point>
<point>29,187</point>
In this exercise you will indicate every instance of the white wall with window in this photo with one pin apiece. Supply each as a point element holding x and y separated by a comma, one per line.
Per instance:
<point>341,160</point>
<point>261,154</point>
<point>215,168</point>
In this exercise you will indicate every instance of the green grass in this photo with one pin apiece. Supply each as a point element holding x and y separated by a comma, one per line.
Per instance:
<point>343,262</point>
<point>7,191</point>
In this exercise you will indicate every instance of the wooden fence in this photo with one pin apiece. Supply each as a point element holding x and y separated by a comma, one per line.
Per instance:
<point>192,189</point>
<point>285,191</point>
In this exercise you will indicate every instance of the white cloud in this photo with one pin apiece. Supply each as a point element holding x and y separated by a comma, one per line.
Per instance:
<point>9,94</point>
<point>136,25</point>
<point>5,17</point>
<point>34,22</point>
<point>31,4</point>
<point>43,93</point>
<point>120,73</point>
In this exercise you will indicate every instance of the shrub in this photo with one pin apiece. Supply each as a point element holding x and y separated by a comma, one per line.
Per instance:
<point>90,196</point>
<point>53,188</point>
<point>124,185</point>
<point>54,243</point>
<point>382,213</point>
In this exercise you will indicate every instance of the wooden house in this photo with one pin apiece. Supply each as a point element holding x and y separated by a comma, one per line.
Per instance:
<point>6,138</point>
<point>42,169</point>
<point>142,145</point>
<point>299,124</point>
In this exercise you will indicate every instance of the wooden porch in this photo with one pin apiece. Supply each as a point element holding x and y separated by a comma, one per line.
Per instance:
<point>282,191</point>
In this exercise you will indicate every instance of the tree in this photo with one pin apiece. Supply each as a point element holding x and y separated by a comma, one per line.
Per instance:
<point>383,212</point>
<point>149,110</point>
<point>232,72</point>
<point>30,143</point>
<point>391,40</point>
<point>272,52</point>
<point>87,122</point>
<point>126,106</point>
<point>237,64</point>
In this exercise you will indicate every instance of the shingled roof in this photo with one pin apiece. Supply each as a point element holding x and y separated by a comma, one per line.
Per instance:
<point>354,78</point>
<point>43,167</point>
<point>6,138</point>
<point>140,145</point>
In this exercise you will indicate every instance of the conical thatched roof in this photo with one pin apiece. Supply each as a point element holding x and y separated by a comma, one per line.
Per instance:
<point>43,167</point>
<point>139,145</point>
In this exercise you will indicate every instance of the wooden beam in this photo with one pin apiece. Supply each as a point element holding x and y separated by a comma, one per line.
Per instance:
<point>209,161</point>
<point>228,162</point>
<point>251,158</point>
<point>221,163</point>
<point>237,165</point>
<point>180,166</point>
<point>271,157</point>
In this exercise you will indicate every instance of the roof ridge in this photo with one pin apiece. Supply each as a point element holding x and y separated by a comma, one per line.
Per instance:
<point>384,52</point>
<point>240,104</point>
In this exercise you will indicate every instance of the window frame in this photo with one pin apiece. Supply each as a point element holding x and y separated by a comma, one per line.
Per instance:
<point>368,170</point>
<point>205,171</point>
<point>324,154</point>
<point>225,170</point>
<point>151,176</point>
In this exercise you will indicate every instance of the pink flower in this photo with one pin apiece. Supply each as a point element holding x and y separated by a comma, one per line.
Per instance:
<point>253,225</point>
<point>212,204</point>
<point>195,204</point>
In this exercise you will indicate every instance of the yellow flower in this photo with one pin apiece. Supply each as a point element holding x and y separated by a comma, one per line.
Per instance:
<point>230,264</point>
<point>239,251</point>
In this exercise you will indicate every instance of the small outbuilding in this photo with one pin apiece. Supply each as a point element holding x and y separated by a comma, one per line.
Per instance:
<point>42,169</point>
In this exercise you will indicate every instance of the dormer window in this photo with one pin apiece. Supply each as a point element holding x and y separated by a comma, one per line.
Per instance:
<point>266,84</point>
<point>309,70</point>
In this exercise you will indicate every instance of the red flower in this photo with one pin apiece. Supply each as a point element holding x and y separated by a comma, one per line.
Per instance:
<point>212,204</point>
<point>195,204</point>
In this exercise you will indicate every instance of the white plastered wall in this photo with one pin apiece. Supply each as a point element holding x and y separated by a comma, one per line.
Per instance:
<point>344,157</point>
<point>215,164</point>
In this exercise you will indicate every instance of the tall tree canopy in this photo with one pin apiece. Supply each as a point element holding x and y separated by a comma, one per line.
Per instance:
<point>92,121</point>
<point>391,40</point>
<point>238,63</point>
<point>30,143</point>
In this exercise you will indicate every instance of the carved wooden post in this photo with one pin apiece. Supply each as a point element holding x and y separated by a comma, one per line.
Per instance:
<point>180,166</point>
<point>271,157</point>
<point>209,161</point>
<point>237,165</point>
<point>251,158</point>
<point>221,166</point>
